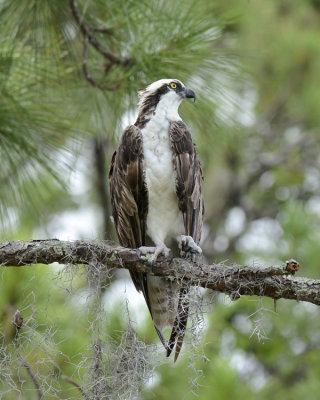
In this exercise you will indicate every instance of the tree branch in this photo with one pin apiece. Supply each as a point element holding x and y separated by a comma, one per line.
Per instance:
<point>85,69</point>
<point>32,376</point>
<point>75,384</point>
<point>274,282</point>
<point>87,31</point>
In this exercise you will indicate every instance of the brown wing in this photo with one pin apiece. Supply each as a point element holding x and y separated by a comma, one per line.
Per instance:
<point>189,191</point>
<point>188,179</point>
<point>129,194</point>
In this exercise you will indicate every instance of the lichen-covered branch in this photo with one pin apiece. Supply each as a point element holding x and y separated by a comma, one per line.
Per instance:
<point>275,282</point>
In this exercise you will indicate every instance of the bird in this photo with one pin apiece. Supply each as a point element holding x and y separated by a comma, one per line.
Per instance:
<point>156,195</point>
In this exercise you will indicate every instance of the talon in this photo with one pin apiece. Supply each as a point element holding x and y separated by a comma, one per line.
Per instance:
<point>188,246</point>
<point>155,251</point>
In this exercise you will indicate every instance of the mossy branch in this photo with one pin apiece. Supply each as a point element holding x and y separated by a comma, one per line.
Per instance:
<point>275,282</point>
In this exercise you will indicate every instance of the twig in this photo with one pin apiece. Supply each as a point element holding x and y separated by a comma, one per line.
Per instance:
<point>76,384</point>
<point>87,75</point>
<point>32,376</point>
<point>101,29</point>
<point>88,32</point>
<point>86,72</point>
<point>274,282</point>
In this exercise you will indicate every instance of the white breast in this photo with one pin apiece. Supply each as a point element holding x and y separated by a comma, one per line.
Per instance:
<point>164,219</point>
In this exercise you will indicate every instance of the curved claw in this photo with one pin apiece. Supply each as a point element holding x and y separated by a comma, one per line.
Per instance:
<point>152,264</point>
<point>188,246</point>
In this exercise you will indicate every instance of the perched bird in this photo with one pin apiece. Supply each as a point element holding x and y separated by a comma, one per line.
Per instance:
<point>156,194</point>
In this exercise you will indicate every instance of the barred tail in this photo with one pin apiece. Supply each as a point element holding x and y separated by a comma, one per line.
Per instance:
<point>180,323</point>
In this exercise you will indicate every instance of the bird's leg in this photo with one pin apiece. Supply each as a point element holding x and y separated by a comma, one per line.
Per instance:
<point>155,251</point>
<point>188,245</point>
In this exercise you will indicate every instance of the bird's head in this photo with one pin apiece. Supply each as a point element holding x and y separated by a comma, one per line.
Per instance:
<point>170,92</point>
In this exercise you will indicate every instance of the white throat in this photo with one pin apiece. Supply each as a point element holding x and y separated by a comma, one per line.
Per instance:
<point>168,107</point>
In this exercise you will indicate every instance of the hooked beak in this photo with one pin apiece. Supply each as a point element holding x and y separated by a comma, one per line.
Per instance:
<point>190,94</point>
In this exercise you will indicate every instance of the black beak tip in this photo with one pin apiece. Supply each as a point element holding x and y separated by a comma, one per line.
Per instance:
<point>190,94</point>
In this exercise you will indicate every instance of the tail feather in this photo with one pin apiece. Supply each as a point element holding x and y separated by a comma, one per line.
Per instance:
<point>180,324</point>
<point>179,345</point>
<point>163,340</point>
<point>172,339</point>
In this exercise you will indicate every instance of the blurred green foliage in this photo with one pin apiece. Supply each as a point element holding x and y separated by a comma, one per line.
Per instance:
<point>255,67</point>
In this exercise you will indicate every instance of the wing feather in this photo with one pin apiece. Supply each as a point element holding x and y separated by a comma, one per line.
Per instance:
<point>189,192</point>
<point>188,179</point>
<point>129,194</point>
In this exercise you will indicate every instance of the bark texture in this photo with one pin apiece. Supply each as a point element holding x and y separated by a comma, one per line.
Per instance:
<point>275,282</point>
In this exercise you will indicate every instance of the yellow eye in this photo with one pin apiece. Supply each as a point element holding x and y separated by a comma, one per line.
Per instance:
<point>173,85</point>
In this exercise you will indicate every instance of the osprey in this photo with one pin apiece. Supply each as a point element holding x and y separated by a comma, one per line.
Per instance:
<point>155,186</point>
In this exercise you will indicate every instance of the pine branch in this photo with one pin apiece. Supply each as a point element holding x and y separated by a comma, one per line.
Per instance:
<point>87,32</point>
<point>85,69</point>
<point>89,37</point>
<point>275,282</point>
